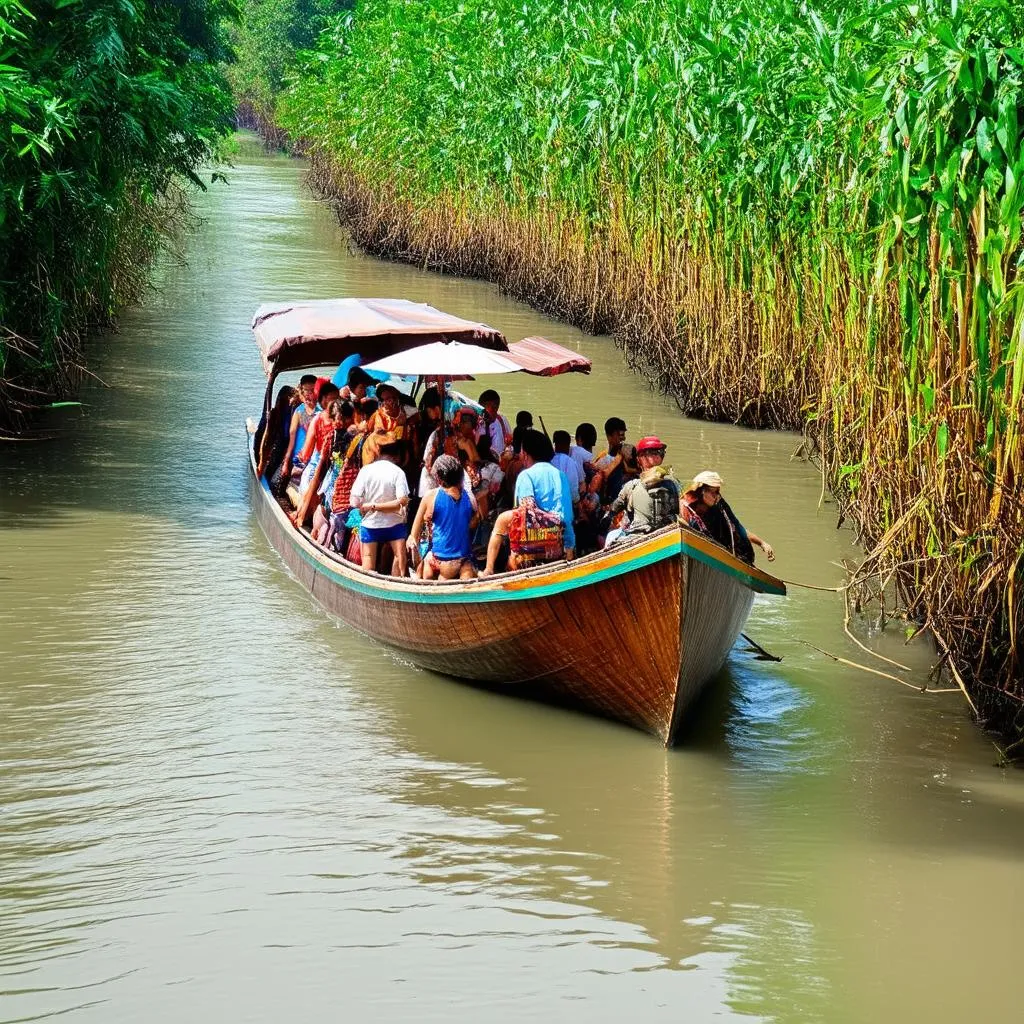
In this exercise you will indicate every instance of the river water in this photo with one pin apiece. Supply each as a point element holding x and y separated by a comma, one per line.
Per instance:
<point>217,803</point>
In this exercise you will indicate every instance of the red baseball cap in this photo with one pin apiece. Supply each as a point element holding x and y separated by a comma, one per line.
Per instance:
<point>650,444</point>
<point>321,383</point>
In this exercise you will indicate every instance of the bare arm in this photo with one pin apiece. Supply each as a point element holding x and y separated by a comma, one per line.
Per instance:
<point>310,498</point>
<point>469,448</point>
<point>426,506</point>
<point>762,544</point>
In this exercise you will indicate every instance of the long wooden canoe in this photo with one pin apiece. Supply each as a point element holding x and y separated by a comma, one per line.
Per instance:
<point>633,633</point>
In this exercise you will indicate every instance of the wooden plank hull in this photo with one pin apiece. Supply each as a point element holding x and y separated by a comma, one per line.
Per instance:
<point>633,633</point>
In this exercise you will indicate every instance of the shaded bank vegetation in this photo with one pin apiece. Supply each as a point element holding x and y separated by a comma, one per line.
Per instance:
<point>106,107</point>
<point>266,40</point>
<point>790,215</point>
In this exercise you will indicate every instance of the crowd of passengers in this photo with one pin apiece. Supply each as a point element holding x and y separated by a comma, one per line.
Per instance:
<point>394,487</point>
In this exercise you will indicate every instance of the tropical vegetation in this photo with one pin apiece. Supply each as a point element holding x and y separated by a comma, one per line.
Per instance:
<point>106,108</point>
<point>792,214</point>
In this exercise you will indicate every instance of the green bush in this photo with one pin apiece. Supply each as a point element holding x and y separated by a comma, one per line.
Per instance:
<point>104,104</point>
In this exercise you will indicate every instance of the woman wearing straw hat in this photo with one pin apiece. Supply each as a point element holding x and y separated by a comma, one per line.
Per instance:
<point>704,509</point>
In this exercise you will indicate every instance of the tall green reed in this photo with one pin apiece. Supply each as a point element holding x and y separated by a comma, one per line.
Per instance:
<point>807,215</point>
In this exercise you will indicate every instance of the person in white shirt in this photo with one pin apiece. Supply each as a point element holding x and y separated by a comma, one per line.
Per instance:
<point>583,450</point>
<point>381,493</point>
<point>493,423</point>
<point>566,464</point>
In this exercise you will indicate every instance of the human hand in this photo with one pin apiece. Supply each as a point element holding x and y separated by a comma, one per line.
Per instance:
<point>768,550</point>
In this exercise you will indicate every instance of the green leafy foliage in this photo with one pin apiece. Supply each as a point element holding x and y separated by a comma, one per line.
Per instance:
<point>826,194</point>
<point>103,104</point>
<point>267,39</point>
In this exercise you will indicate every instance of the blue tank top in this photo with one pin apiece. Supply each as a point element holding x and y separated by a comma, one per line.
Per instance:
<point>300,435</point>
<point>451,526</point>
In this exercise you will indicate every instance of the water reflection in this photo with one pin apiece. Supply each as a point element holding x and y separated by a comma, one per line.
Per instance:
<point>213,795</point>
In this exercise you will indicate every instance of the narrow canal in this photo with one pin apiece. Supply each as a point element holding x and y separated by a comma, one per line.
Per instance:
<point>218,803</point>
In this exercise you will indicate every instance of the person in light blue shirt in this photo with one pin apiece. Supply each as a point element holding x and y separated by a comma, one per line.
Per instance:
<point>551,495</point>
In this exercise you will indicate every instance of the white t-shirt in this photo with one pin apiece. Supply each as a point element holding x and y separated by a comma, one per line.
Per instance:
<point>499,430</point>
<point>378,482</point>
<point>492,475</point>
<point>572,469</point>
<point>581,457</point>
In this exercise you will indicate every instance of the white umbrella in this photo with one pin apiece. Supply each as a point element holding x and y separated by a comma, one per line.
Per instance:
<point>451,359</point>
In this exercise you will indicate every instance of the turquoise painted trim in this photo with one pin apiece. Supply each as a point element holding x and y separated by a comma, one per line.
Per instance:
<point>454,596</point>
<point>745,578</point>
<point>417,595</point>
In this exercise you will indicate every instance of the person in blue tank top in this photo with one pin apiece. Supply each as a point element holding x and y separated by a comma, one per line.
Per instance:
<point>304,412</point>
<point>449,508</point>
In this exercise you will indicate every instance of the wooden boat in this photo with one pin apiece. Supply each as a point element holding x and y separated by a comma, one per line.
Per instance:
<point>633,633</point>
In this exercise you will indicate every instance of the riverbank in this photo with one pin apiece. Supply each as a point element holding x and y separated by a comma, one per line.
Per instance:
<point>585,286</point>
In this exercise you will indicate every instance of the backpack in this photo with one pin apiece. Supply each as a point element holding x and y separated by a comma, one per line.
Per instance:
<point>655,503</point>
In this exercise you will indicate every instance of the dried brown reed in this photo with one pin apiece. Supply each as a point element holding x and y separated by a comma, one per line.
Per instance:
<point>703,340</point>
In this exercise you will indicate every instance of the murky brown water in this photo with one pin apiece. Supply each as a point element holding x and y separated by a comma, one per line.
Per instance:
<point>216,803</point>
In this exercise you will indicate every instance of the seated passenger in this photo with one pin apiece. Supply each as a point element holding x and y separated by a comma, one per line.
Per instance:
<point>524,422</point>
<point>493,424</point>
<point>364,409</point>
<point>381,493</point>
<point>431,414</point>
<point>319,430</point>
<point>616,464</point>
<point>348,462</point>
<point>276,435</point>
<point>461,437</point>
<point>357,384</point>
<point>583,450</point>
<point>539,529</point>
<point>450,511</point>
<point>390,419</point>
<point>652,500</point>
<point>340,416</point>
<point>304,412</point>
<point>564,462</point>
<point>491,476</point>
<point>704,509</point>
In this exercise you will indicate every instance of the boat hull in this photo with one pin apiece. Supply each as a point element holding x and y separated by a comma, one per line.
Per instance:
<point>633,633</point>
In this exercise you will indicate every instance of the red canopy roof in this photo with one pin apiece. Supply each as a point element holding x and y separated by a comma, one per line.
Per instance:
<point>322,332</point>
<point>546,359</point>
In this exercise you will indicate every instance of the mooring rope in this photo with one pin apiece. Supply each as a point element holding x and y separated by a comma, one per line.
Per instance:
<point>811,586</point>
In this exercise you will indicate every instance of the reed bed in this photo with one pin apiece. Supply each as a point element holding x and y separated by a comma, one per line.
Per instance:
<point>789,217</point>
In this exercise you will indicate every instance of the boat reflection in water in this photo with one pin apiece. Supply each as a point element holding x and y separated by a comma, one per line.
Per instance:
<point>587,836</point>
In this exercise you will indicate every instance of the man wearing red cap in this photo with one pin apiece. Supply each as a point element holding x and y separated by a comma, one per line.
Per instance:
<point>652,500</point>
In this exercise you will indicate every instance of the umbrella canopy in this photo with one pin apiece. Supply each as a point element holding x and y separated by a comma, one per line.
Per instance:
<point>440,359</point>
<point>457,360</point>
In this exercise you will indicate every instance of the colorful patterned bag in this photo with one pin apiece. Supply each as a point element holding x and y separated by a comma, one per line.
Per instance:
<point>534,536</point>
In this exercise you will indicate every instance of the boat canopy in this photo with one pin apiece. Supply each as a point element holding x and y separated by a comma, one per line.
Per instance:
<point>457,361</point>
<point>322,332</point>
<point>545,358</point>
